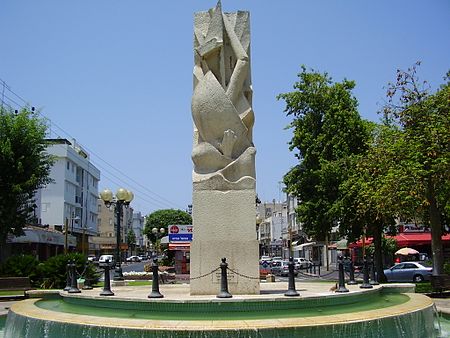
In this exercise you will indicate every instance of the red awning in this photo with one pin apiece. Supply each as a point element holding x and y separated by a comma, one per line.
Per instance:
<point>407,239</point>
<point>180,246</point>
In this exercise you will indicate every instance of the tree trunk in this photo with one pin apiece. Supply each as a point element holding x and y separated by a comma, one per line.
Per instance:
<point>436,232</point>
<point>378,255</point>
<point>3,250</point>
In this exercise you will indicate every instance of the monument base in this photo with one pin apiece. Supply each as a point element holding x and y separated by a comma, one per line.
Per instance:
<point>224,226</point>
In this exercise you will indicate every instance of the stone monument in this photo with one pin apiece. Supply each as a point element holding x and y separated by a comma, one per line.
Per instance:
<point>224,177</point>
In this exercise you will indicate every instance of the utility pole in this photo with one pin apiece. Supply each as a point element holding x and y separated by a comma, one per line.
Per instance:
<point>66,236</point>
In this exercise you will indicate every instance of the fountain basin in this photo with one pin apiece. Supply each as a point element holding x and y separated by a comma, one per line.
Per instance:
<point>373,313</point>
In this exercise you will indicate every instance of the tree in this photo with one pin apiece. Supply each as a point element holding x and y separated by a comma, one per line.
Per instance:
<point>422,167</point>
<point>25,167</point>
<point>368,200</point>
<point>162,219</point>
<point>131,239</point>
<point>327,129</point>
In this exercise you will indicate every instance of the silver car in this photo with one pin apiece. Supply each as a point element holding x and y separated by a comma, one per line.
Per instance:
<point>409,272</point>
<point>281,268</point>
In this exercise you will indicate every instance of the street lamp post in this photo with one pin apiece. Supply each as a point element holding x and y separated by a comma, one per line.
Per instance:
<point>123,198</point>
<point>83,241</point>
<point>66,232</point>
<point>158,233</point>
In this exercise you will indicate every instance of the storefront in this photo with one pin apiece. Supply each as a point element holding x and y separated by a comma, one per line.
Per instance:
<point>420,241</point>
<point>180,238</point>
<point>42,243</point>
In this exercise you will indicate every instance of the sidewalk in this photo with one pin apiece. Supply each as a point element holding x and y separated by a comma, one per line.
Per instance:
<point>442,304</point>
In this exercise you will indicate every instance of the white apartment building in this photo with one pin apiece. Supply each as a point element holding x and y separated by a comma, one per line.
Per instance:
<point>71,199</point>
<point>272,224</point>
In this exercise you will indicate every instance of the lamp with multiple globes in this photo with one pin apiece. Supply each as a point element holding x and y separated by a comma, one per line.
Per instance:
<point>122,199</point>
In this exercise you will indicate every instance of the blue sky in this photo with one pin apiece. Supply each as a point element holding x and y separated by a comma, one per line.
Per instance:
<point>117,75</point>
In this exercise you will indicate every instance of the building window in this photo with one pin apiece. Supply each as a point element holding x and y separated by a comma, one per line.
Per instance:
<point>68,165</point>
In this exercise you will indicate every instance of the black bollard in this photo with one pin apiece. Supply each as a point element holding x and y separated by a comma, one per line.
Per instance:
<point>68,277</point>
<point>107,282</point>
<point>224,281</point>
<point>155,284</point>
<point>73,285</point>
<point>87,281</point>
<point>373,277</point>
<point>291,292</point>
<point>341,287</point>
<point>314,267</point>
<point>365,284</point>
<point>352,273</point>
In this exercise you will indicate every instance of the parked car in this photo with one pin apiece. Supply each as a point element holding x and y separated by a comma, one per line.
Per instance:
<point>276,260</point>
<point>133,259</point>
<point>103,258</point>
<point>265,259</point>
<point>92,258</point>
<point>302,263</point>
<point>281,268</point>
<point>143,257</point>
<point>409,272</point>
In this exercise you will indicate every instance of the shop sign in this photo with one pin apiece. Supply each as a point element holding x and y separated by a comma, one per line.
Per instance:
<point>180,233</point>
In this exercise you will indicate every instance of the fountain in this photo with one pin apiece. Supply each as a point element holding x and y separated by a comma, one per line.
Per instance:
<point>379,312</point>
<point>224,183</point>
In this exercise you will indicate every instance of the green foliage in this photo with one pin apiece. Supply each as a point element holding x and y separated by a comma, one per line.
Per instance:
<point>327,130</point>
<point>388,247</point>
<point>447,268</point>
<point>49,274</point>
<point>162,219</point>
<point>367,194</point>
<point>52,273</point>
<point>20,266</point>
<point>25,167</point>
<point>131,237</point>
<point>424,287</point>
<point>421,167</point>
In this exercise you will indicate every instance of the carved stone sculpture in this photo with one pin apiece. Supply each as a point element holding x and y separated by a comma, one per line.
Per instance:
<point>224,181</point>
<point>223,151</point>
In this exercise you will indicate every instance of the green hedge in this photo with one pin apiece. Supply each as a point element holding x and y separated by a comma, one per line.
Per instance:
<point>50,274</point>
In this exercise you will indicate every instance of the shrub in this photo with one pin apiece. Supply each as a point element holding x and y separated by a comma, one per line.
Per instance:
<point>52,272</point>
<point>20,266</point>
<point>447,268</point>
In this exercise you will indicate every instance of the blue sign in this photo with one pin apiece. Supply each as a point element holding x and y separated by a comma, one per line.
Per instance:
<point>180,237</point>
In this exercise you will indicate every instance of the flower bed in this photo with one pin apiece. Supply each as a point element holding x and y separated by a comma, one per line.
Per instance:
<point>134,275</point>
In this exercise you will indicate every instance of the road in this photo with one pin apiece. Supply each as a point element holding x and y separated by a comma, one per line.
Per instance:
<point>135,266</point>
<point>126,267</point>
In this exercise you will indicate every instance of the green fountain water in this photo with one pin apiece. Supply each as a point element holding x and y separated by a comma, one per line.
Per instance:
<point>237,311</point>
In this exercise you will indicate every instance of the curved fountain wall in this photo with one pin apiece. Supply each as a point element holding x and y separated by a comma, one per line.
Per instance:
<point>412,319</point>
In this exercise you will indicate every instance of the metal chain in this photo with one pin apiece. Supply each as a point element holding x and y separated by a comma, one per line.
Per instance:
<point>317,276</point>
<point>84,270</point>
<point>308,275</point>
<point>206,274</point>
<point>330,273</point>
<point>356,275</point>
<point>240,274</point>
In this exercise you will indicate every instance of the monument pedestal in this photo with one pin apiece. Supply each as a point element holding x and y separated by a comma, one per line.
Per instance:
<point>224,226</point>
